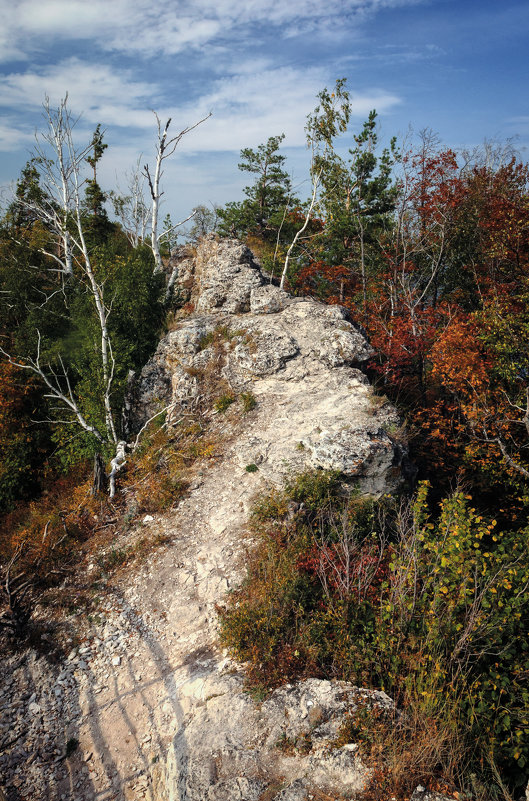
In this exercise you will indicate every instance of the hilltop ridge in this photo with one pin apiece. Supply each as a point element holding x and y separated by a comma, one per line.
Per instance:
<point>158,710</point>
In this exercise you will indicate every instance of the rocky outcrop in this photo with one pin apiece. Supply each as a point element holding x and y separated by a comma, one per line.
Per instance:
<point>300,359</point>
<point>232,749</point>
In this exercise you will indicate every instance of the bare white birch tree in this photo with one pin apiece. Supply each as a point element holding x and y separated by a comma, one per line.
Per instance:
<point>58,386</point>
<point>330,118</point>
<point>165,147</point>
<point>60,211</point>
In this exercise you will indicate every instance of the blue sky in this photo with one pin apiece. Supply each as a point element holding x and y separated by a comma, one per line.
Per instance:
<point>460,68</point>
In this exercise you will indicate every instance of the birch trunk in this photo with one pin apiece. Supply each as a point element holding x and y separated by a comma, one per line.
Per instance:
<point>302,229</point>
<point>165,148</point>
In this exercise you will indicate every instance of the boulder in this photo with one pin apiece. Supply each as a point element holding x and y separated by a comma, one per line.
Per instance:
<point>283,748</point>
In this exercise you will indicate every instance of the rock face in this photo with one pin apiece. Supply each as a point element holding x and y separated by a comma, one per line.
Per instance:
<point>299,358</point>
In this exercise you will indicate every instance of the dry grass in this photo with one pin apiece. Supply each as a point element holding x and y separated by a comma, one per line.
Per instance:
<point>405,748</point>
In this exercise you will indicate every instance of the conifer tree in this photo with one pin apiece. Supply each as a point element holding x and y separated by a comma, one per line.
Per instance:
<point>266,198</point>
<point>98,225</point>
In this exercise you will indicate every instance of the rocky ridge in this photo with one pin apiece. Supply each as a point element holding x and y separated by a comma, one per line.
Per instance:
<point>300,359</point>
<point>155,709</point>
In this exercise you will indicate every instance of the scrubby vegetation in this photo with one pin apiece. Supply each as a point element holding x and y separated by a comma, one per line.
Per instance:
<point>431,606</point>
<point>47,541</point>
<point>425,597</point>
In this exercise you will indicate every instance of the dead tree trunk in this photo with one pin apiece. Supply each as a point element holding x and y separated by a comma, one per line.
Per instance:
<point>165,147</point>
<point>99,483</point>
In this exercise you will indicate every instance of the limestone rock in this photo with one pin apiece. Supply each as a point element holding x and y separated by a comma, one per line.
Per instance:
<point>267,299</point>
<point>230,747</point>
<point>225,277</point>
<point>301,360</point>
<point>421,794</point>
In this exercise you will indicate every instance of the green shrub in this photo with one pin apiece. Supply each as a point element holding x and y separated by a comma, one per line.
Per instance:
<point>434,610</point>
<point>248,402</point>
<point>113,559</point>
<point>457,624</point>
<point>315,490</point>
<point>224,401</point>
<point>206,340</point>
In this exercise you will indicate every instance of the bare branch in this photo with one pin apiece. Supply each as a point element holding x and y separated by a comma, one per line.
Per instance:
<point>316,184</point>
<point>144,426</point>
<point>54,388</point>
<point>165,148</point>
<point>167,231</point>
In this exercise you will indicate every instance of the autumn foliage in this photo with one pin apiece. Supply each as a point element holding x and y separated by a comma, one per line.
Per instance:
<point>432,609</point>
<point>429,600</point>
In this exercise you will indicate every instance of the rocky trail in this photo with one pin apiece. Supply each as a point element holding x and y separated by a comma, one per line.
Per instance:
<point>144,704</point>
<point>124,691</point>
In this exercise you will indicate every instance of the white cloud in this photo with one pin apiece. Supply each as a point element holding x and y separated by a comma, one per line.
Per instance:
<point>13,137</point>
<point>100,93</point>
<point>223,70</point>
<point>141,26</point>
<point>248,108</point>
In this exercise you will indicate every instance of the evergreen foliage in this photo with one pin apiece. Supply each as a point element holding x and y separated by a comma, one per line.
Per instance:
<point>428,599</point>
<point>97,224</point>
<point>267,198</point>
<point>43,312</point>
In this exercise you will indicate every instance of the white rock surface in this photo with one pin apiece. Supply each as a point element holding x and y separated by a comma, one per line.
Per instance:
<point>298,357</point>
<point>231,747</point>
